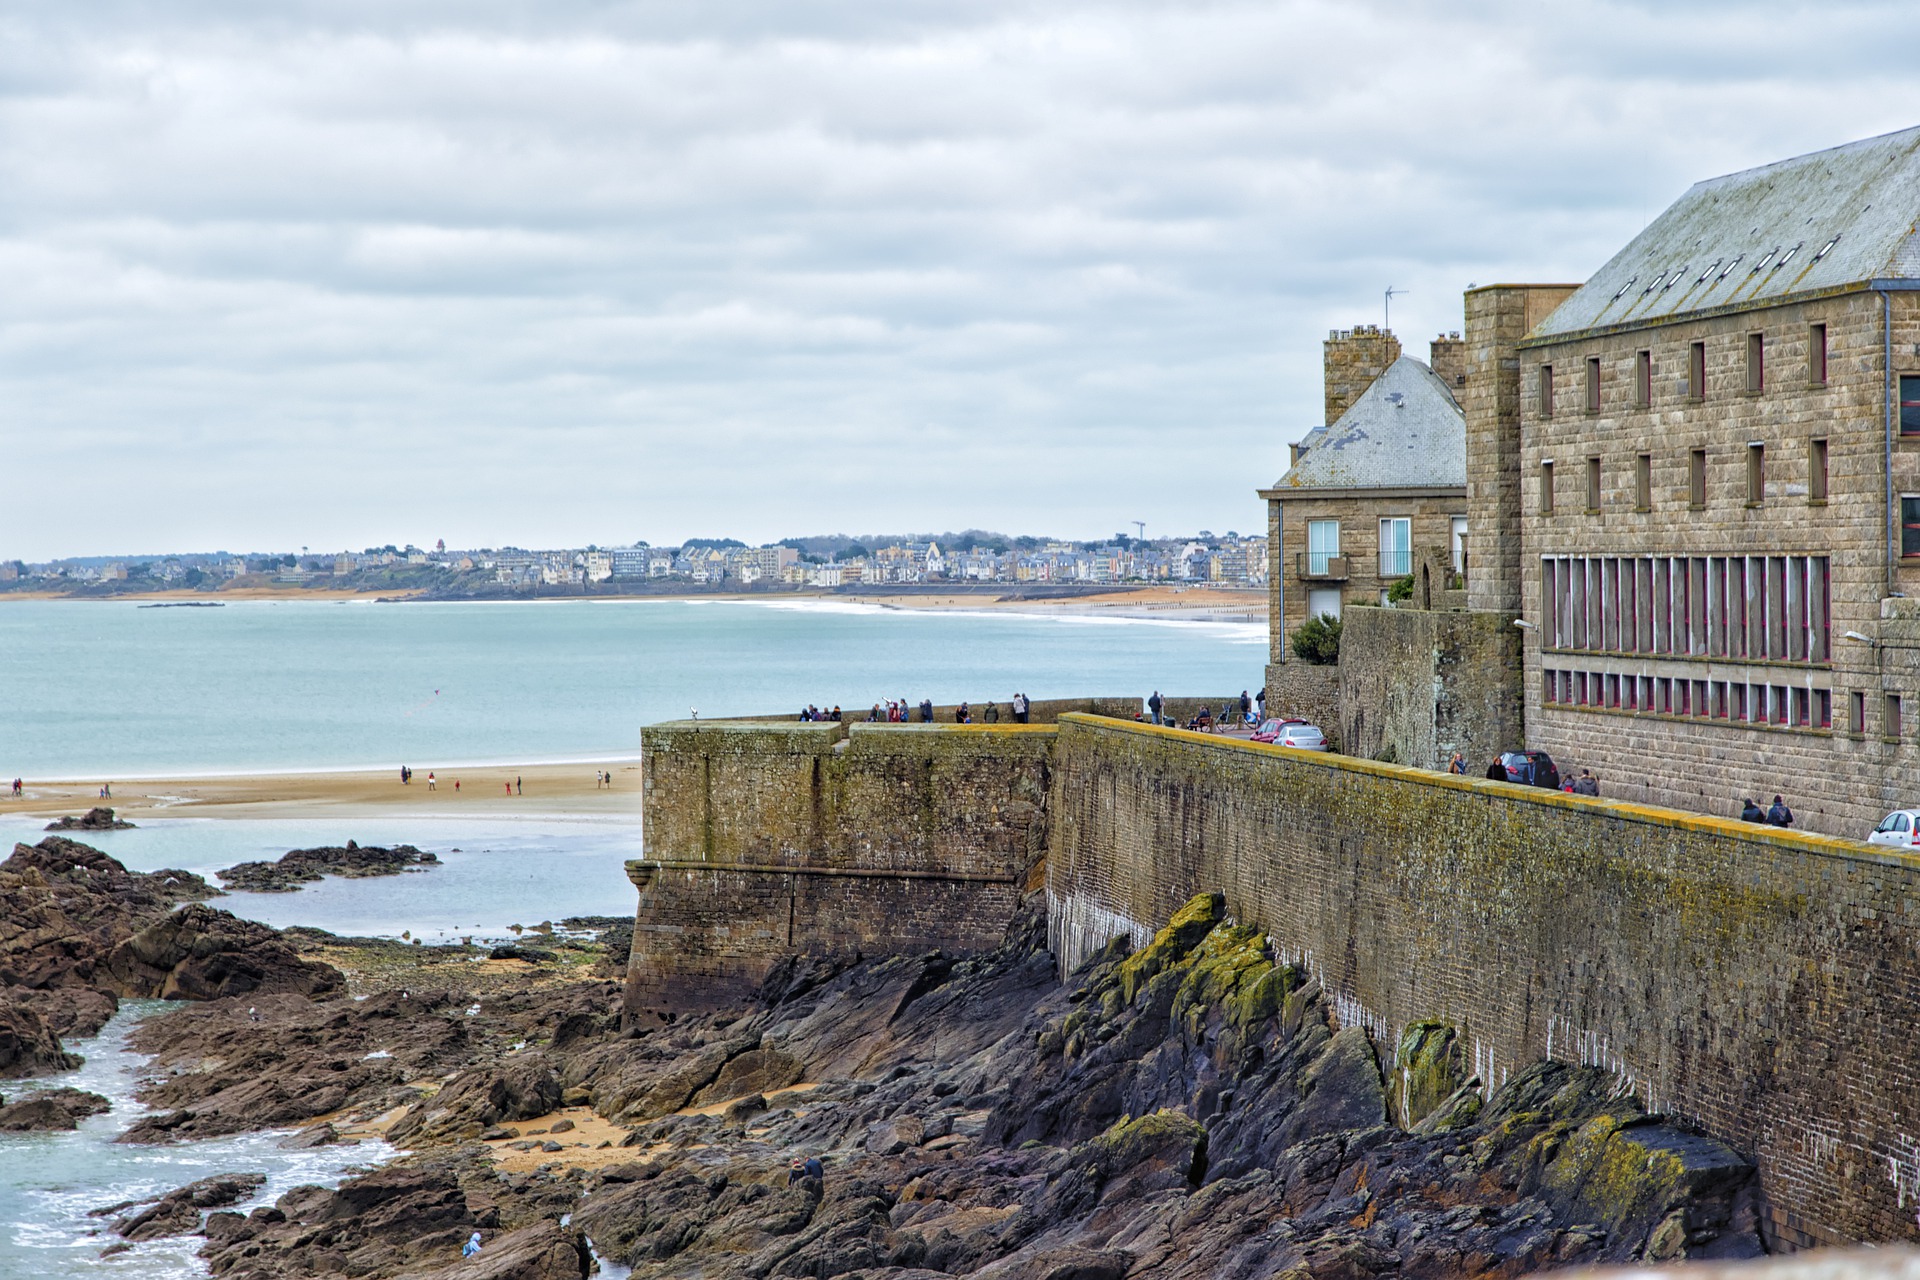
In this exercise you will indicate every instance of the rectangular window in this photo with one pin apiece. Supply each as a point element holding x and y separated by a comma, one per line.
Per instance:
<point>1683,697</point>
<point>1643,482</point>
<point>1697,371</point>
<point>1613,691</point>
<point>1910,524</point>
<point>1816,470</point>
<point>1643,380</point>
<point>1756,474</point>
<point>1890,717</point>
<point>1593,484</point>
<point>1737,607</point>
<point>1593,384</point>
<point>1817,355</point>
<point>1546,488</point>
<point>1819,610</point>
<point>1396,547</point>
<point>1756,362</point>
<point>1857,712</point>
<point>1323,544</point>
<point>1548,685</point>
<point>1909,405</point>
<point>1736,702</point>
<point>1697,479</point>
<point>1823,708</point>
<point>1663,693</point>
<point>1779,701</point>
<point>1801,712</point>
<point>1459,531</point>
<point>1546,391</point>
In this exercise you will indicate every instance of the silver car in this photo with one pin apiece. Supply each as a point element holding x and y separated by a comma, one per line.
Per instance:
<point>1901,827</point>
<point>1301,737</point>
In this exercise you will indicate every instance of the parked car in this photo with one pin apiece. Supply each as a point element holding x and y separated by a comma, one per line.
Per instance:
<point>1301,736</point>
<point>1531,769</point>
<point>1901,827</point>
<point>1270,728</point>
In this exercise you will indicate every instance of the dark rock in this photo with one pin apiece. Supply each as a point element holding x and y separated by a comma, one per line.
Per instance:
<point>199,953</point>
<point>52,1109</point>
<point>514,951</point>
<point>520,1088</point>
<point>319,1135</point>
<point>304,866</point>
<point>96,819</point>
<point>178,1212</point>
<point>28,1047</point>
<point>561,1126</point>
<point>543,1251</point>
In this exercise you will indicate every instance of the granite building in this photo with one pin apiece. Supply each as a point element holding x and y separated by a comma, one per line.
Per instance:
<point>1695,482</point>
<point>1384,479</point>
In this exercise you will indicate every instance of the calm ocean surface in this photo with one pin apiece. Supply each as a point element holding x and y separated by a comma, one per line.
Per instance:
<point>104,689</point>
<point>109,689</point>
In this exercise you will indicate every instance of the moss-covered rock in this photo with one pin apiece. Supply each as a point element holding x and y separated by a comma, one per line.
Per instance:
<point>1427,1070</point>
<point>1190,924</point>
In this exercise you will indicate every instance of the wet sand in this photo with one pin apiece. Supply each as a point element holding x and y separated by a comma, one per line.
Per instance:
<point>545,789</point>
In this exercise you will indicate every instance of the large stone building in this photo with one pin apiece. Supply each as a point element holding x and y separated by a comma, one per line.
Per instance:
<point>1695,483</point>
<point>1384,479</point>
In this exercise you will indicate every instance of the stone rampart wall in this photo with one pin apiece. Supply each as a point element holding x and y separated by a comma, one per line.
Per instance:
<point>1418,685</point>
<point>764,840</point>
<point>1764,985</point>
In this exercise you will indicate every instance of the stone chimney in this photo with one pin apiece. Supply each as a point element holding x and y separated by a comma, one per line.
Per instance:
<point>1448,360</point>
<point>1498,317</point>
<point>1354,358</point>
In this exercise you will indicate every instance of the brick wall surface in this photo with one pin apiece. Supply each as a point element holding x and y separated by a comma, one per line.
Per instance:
<point>1837,781</point>
<point>1764,985</point>
<point>1350,361</point>
<point>1308,692</point>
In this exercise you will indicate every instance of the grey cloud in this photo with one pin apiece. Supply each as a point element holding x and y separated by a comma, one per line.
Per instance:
<point>335,273</point>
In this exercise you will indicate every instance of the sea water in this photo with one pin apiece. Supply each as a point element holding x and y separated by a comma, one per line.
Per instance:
<point>110,689</point>
<point>105,689</point>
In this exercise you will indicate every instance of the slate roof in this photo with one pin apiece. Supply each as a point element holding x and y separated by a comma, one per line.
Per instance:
<point>1404,432</point>
<point>1815,223</point>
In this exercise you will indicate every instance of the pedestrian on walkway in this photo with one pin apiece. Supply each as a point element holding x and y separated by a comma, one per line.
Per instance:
<point>1154,704</point>
<point>1779,815</point>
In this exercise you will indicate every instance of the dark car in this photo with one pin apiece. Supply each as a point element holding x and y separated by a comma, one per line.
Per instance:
<point>1531,769</point>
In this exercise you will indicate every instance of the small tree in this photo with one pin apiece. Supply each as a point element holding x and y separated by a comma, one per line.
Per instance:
<point>1317,640</point>
<point>1401,591</point>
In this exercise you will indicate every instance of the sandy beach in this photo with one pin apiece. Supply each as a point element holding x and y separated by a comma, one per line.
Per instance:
<point>545,789</point>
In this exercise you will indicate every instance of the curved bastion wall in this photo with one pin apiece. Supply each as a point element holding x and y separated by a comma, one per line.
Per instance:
<point>1763,985</point>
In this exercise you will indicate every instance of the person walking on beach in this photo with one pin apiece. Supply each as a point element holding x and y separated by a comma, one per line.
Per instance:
<point>456,784</point>
<point>430,785</point>
<point>106,791</point>
<point>508,786</point>
<point>516,785</point>
<point>1155,705</point>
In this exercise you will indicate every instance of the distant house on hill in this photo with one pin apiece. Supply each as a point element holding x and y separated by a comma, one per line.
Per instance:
<point>1385,477</point>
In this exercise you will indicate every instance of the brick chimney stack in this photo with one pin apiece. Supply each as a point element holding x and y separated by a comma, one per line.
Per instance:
<point>1354,358</point>
<point>1448,360</point>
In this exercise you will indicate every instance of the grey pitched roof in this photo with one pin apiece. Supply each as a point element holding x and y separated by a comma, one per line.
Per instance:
<point>1817,222</point>
<point>1404,432</point>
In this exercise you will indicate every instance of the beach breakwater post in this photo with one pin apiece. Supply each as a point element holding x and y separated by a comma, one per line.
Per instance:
<point>1761,984</point>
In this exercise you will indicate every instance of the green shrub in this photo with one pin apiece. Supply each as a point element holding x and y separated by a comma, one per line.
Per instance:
<point>1317,640</point>
<point>1401,591</point>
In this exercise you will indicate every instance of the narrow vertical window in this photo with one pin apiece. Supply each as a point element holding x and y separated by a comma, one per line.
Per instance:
<point>1857,713</point>
<point>1823,708</point>
<point>1697,371</point>
<point>1890,717</point>
<point>1396,547</point>
<point>1546,391</point>
<point>1910,524</point>
<point>1643,482</point>
<point>1697,479</point>
<point>1643,380</point>
<point>1817,355</point>
<point>1546,488</point>
<point>1593,384</point>
<point>1816,471</point>
<point>1756,474</point>
<point>1909,405</point>
<point>1756,362</point>
<point>1323,545</point>
<point>1593,484</point>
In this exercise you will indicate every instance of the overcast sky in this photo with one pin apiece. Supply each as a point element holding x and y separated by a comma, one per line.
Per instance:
<point>341,272</point>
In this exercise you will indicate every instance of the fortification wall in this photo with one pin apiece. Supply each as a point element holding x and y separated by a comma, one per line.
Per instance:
<point>764,840</point>
<point>1418,685</point>
<point>1764,985</point>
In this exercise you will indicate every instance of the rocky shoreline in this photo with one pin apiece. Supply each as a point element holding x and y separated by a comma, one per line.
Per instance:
<point>1190,1110</point>
<point>307,866</point>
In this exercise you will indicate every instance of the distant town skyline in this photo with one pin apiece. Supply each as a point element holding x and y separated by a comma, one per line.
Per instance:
<point>523,273</point>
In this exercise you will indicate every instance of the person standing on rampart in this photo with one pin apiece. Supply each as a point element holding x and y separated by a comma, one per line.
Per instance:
<point>1155,704</point>
<point>1779,815</point>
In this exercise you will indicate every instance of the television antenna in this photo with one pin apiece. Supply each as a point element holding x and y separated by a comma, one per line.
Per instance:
<point>1387,308</point>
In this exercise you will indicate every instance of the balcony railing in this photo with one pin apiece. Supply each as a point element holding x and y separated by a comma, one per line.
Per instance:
<point>1307,564</point>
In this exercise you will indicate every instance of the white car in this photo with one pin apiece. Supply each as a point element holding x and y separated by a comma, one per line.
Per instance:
<point>1301,737</point>
<point>1901,827</point>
